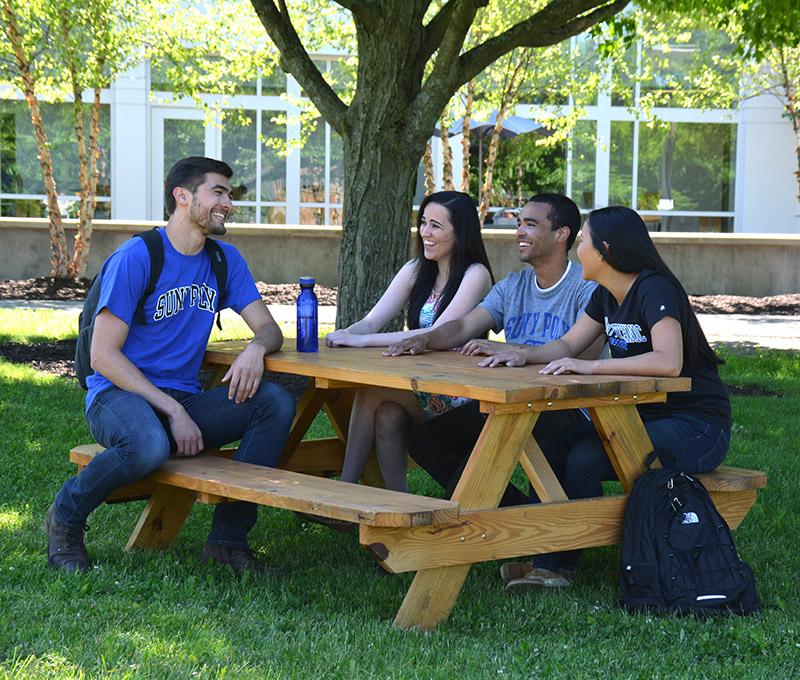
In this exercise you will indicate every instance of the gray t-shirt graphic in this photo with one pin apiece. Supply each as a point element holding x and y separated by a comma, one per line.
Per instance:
<point>531,315</point>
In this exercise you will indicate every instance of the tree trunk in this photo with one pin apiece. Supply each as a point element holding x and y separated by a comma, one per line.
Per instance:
<point>59,257</point>
<point>447,162</point>
<point>88,179</point>
<point>465,164</point>
<point>380,190</point>
<point>792,106</point>
<point>427,164</point>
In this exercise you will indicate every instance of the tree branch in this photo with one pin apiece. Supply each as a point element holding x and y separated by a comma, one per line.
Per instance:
<point>546,27</point>
<point>279,27</point>
<point>436,28</point>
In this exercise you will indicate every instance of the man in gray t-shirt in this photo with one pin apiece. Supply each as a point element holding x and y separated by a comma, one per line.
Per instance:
<point>533,306</point>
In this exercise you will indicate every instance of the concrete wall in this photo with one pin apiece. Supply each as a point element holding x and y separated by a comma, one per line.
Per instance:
<point>735,264</point>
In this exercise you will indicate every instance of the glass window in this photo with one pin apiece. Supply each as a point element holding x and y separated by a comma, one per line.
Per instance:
<point>274,82</point>
<point>623,78</point>
<point>182,138</point>
<point>687,166</point>
<point>337,169</point>
<point>621,163</point>
<point>583,163</point>
<point>312,215</point>
<point>273,165</point>
<point>312,166</point>
<point>20,171</point>
<point>524,168</point>
<point>271,214</point>
<point>239,151</point>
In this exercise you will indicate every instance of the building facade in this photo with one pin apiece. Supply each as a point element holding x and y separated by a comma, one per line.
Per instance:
<point>715,170</point>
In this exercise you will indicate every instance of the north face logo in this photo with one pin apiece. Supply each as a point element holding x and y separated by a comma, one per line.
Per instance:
<point>690,518</point>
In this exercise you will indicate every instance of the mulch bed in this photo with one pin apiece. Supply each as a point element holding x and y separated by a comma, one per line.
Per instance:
<point>47,288</point>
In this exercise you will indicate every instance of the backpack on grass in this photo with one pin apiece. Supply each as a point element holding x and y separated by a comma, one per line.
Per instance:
<point>678,554</point>
<point>155,249</point>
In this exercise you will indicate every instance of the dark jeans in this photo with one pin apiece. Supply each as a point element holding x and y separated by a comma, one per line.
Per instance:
<point>138,440</point>
<point>579,460</point>
<point>442,445</point>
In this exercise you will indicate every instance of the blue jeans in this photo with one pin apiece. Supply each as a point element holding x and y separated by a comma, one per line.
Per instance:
<point>580,462</point>
<point>138,440</point>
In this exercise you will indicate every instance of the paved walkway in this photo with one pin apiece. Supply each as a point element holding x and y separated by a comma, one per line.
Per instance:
<point>749,331</point>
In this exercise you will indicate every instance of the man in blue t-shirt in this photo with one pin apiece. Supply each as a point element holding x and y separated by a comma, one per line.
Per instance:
<point>145,400</point>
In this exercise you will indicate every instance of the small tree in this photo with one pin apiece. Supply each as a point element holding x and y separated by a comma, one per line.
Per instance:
<point>53,50</point>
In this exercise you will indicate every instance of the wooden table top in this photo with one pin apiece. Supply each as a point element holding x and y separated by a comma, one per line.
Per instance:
<point>449,373</point>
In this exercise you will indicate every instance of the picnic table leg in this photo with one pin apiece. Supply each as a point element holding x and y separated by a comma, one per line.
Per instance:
<point>625,439</point>
<point>308,407</point>
<point>162,519</point>
<point>433,592</point>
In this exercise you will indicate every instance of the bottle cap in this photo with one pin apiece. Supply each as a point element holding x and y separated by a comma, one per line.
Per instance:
<point>307,280</point>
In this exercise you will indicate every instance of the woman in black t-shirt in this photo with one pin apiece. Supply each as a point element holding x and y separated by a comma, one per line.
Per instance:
<point>651,329</point>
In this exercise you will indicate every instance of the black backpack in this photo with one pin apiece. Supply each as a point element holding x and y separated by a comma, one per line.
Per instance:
<point>155,248</point>
<point>678,554</point>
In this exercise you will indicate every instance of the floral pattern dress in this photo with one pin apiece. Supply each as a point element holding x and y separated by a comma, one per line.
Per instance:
<point>435,404</point>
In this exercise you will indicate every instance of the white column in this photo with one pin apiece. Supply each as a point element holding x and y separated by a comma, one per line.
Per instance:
<point>766,187</point>
<point>602,167</point>
<point>293,159</point>
<point>130,145</point>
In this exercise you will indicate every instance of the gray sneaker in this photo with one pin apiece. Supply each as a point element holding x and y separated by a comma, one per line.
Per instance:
<point>539,577</point>
<point>240,558</point>
<point>65,547</point>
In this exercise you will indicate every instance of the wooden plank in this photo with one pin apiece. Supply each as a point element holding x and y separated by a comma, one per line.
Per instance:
<point>625,440</point>
<point>727,478</point>
<point>304,493</point>
<point>449,373</point>
<point>504,533</point>
<point>583,402</point>
<point>162,519</point>
<point>236,480</point>
<point>322,457</point>
<point>433,592</point>
<point>541,475</point>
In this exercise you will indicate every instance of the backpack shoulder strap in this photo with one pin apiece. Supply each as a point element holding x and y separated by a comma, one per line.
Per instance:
<point>155,248</point>
<point>220,267</point>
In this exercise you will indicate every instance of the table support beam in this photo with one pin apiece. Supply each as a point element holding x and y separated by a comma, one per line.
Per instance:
<point>433,592</point>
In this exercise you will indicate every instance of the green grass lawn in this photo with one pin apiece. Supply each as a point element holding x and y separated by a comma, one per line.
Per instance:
<point>164,615</point>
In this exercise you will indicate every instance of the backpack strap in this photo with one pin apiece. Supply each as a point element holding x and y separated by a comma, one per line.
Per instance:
<point>155,248</point>
<point>662,455</point>
<point>220,267</point>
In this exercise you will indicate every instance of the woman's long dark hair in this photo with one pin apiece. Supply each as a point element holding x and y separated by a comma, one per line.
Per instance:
<point>468,249</point>
<point>621,237</point>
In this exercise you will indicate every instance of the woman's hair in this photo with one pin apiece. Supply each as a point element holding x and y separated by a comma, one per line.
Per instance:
<point>621,237</point>
<point>467,250</point>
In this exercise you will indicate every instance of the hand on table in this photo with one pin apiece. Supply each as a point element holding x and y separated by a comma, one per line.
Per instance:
<point>480,346</point>
<point>415,345</point>
<point>343,338</point>
<point>567,365</point>
<point>509,357</point>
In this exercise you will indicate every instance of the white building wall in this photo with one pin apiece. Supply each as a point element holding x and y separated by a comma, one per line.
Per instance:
<point>766,186</point>
<point>130,145</point>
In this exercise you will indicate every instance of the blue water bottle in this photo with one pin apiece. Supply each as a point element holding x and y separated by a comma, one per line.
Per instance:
<point>307,337</point>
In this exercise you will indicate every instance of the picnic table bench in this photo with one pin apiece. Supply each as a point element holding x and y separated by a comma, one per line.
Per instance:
<point>438,538</point>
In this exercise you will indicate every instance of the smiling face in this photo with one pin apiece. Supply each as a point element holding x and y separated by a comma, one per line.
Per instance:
<point>536,240</point>
<point>437,233</point>
<point>211,204</point>
<point>588,255</point>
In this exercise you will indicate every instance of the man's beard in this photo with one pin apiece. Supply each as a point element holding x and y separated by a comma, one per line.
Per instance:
<point>203,219</point>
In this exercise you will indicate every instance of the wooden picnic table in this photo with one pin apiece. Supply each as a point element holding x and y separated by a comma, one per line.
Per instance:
<point>439,539</point>
<point>512,399</point>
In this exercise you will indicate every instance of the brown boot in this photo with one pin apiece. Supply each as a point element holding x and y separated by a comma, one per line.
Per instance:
<point>65,547</point>
<point>240,558</point>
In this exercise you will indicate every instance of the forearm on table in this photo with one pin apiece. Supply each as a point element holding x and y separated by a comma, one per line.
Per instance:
<point>543,354</point>
<point>269,338</point>
<point>655,363</point>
